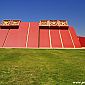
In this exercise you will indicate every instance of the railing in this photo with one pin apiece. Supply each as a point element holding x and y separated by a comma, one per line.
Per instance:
<point>53,23</point>
<point>10,23</point>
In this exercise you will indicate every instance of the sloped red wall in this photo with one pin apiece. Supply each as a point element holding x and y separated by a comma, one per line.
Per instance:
<point>66,39</point>
<point>17,37</point>
<point>74,37</point>
<point>44,41</point>
<point>55,38</point>
<point>29,35</point>
<point>3,36</point>
<point>33,35</point>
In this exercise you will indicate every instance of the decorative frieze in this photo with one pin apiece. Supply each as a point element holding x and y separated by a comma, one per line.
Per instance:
<point>53,23</point>
<point>10,23</point>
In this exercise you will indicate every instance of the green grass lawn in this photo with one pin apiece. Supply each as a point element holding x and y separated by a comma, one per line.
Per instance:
<point>41,67</point>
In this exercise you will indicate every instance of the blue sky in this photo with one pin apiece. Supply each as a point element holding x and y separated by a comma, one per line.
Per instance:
<point>35,10</point>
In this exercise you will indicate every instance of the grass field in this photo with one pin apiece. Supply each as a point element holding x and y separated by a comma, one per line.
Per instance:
<point>41,67</point>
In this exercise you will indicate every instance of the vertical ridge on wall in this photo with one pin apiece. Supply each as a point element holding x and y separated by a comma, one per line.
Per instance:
<point>61,39</point>
<point>3,36</point>
<point>33,35</point>
<point>50,38</point>
<point>71,38</point>
<point>27,36</point>
<point>67,42</point>
<point>6,38</point>
<point>74,37</point>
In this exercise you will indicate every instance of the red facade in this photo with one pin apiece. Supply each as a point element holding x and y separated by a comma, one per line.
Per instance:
<point>43,34</point>
<point>82,41</point>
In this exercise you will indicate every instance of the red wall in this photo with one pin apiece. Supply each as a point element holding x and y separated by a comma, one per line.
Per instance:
<point>74,37</point>
<point>17,37</point>
<point>29,35</point>
<point>82,41</point>
<point>33,35</point>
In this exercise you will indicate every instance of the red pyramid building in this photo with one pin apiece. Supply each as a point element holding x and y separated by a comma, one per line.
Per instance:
<point>43,34</point>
